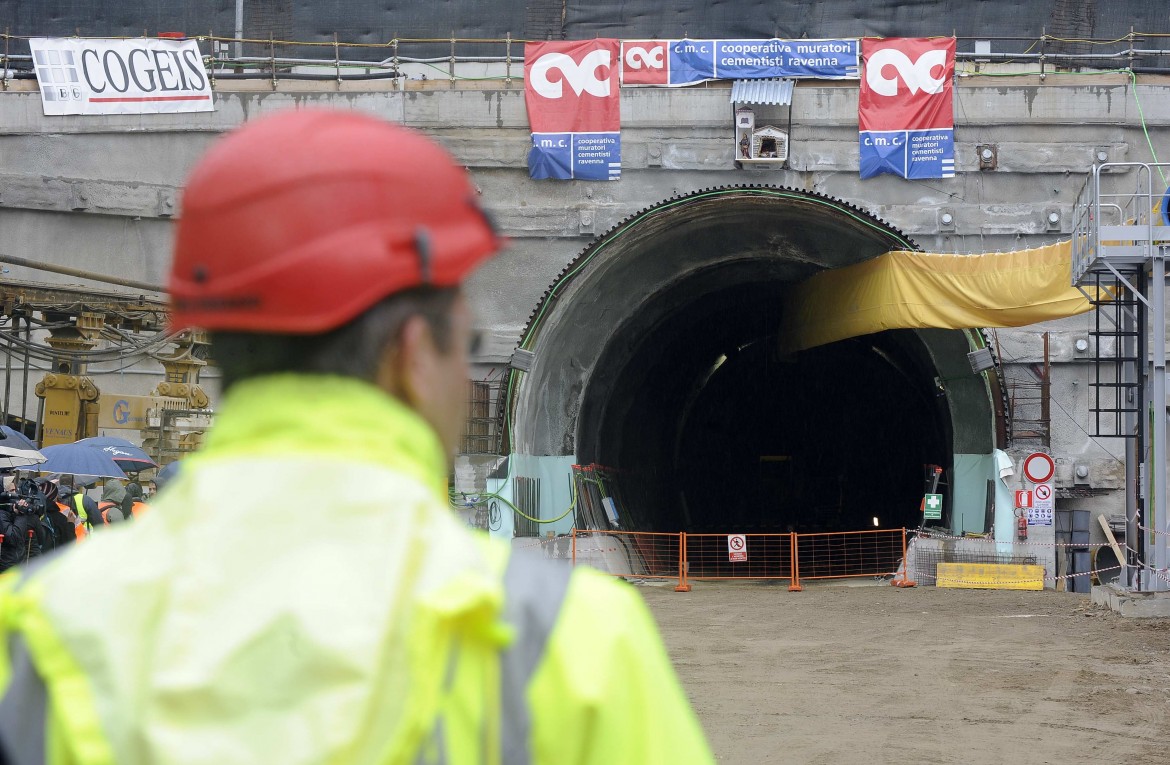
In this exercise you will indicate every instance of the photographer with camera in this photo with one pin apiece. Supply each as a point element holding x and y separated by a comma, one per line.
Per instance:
<point>58,522</point>
<point>20,523</point>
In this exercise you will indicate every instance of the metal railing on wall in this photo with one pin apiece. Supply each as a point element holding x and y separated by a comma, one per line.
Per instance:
<point>501,59</point>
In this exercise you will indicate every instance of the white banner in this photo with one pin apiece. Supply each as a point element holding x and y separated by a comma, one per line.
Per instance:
<point>139,76</point>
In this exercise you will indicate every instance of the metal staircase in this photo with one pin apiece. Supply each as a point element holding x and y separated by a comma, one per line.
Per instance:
<point>1121,238</point>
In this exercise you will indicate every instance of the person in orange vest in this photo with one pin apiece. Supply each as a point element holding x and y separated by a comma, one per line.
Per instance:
<point>132,505</point>
<point>110,505</point>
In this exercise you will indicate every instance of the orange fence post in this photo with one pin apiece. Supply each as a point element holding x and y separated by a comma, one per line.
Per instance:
<point>683,586</point>
<point>905,581</point>
<point>574,538</point>
<point>794,585</point>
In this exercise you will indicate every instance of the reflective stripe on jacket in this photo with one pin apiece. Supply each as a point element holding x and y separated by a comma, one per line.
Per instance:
<point>84,527</point>
<point>301,594</point>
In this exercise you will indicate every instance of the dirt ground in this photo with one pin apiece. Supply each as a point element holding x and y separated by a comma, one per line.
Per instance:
<point>873,674</point>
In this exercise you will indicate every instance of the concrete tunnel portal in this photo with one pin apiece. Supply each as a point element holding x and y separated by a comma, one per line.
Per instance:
<point>658,354</point>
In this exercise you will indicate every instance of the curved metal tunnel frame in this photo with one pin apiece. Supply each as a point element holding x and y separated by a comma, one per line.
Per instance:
<point>682,251</point>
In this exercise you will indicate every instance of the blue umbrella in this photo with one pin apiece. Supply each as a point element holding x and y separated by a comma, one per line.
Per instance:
<point>79,459</point>
<point>128,456</point>
<point>15,439</point>
<point>168,473</point>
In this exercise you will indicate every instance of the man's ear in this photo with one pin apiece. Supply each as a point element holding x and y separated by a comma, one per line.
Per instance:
<point>405,364</point>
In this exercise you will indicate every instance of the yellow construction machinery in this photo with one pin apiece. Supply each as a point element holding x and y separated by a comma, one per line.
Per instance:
<point>64,326</point>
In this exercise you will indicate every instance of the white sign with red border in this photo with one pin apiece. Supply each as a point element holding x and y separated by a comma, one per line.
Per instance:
<point>1039,467</point>
<point>1042,495</point>
<point>737,548</point>
<point>138,76</point>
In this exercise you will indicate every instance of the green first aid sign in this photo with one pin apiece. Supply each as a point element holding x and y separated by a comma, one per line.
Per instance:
<point>932,507</point>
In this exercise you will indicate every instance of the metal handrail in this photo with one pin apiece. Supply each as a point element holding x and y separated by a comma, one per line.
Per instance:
<point>222,60</point>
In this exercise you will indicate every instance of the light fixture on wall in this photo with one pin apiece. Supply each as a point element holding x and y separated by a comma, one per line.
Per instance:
<point>988,156</point>
<point>522,360</point>
<point>981,360</point>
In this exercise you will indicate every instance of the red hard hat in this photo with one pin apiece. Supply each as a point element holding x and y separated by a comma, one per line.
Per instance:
<point>298,222</point>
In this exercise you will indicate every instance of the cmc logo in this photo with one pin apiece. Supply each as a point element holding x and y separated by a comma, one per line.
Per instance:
<point>582,77</point>
<point>122,411</point>
<point>638,57</point>
<point>917,74</point>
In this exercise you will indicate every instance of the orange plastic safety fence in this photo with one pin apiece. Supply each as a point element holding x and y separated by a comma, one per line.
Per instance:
<point>637,554</point>
<point>839,555</point>
<point>791,557</point>
<point>724,556</point>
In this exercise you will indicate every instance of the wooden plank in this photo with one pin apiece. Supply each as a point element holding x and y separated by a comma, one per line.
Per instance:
<point>990,576</point>
<point>1116,547</point>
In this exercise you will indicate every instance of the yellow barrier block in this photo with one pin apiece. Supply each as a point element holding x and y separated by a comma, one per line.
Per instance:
<point>990,576</point>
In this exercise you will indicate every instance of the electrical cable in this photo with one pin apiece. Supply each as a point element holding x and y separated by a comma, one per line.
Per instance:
<point>44,353</point>
<point>1133,85</point>
<point>518,511</point>
<point>447,74</point>
<point>1090,42</point>
<point>309,76</point>
<point>1145,129</point>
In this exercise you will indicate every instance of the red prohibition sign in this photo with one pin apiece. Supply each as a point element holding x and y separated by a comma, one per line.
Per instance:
<point>737,543</point>
<point>1039,467</point>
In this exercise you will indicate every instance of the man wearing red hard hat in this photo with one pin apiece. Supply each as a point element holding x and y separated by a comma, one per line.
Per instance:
<point>256,616</point>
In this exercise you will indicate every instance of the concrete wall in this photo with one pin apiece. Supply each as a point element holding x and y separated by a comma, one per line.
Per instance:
<point>98,193</point>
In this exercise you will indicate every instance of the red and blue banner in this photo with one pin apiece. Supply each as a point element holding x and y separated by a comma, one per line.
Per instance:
<point>683,62</point>
<point>571,91</point>
<point>906,107</point>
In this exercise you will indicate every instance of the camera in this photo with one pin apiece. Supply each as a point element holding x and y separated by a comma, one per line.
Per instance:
<point>26,490</point>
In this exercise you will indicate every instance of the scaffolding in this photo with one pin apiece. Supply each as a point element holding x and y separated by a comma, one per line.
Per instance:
<point>482,434</point>
<point>1029,395</point>
<point>1121,237</point>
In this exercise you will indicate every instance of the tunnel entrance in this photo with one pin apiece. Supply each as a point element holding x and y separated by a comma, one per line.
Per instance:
<point>658,355</point>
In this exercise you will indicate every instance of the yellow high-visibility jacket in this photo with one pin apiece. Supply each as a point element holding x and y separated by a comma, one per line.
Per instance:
<point>302,594</point>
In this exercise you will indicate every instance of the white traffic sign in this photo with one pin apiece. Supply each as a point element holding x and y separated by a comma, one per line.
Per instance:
<point>736,548</point>
<point>1042,496</point>
<point>1039,467</point>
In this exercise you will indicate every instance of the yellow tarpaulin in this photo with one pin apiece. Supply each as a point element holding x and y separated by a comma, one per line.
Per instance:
<point>911,290</point>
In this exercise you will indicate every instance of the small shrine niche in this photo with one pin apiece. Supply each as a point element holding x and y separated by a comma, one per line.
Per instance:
<point>762,144</point>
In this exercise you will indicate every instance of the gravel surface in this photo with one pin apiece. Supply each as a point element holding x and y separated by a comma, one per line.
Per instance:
<point>874,674</point>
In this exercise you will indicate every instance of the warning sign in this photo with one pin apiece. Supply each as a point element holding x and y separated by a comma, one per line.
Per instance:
<point>736,548</point>
<point>1042,497</point>
<point>1039,517</point>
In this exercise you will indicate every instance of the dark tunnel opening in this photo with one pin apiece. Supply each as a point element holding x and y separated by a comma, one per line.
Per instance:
<point>657,354</point>
<point>718,432</point>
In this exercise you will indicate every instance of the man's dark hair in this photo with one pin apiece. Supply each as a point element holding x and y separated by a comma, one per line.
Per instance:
<point>352,350</point>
